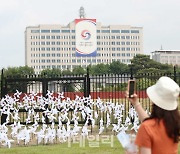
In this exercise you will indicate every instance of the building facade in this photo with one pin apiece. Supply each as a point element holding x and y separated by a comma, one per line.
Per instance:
<point>54,46</point>
<point>167,56</point>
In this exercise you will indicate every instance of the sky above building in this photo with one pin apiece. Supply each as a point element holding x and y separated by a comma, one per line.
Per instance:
<point>160,20</point>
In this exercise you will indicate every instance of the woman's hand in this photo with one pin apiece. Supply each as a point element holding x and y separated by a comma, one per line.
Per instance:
<point>133,99</point>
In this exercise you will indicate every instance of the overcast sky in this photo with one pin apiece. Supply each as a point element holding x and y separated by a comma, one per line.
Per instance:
<point>160,20</point>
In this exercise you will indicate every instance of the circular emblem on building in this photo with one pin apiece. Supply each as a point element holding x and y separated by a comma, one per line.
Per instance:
<point>85,34</point>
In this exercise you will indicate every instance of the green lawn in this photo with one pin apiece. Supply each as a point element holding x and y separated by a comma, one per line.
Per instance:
<point>73,148</point>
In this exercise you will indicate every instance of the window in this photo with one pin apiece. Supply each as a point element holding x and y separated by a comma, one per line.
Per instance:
<point>47,37</point>
<point>43,55</point>
<point>73,60</point>
<point>98,43</point>
<point>122,37</point>
<point>105,31</point>
<point>42,49</point>
<point>124,31</point>
<point>65,31</point>
<point>123,49</point>
<point>53,55</point>
<point>73,31</point>
<point>42,37</point>
<point>55,31</point>
<point>58,37</point>
<point>113,49</point>
<point>127,43</point>
<point>98,54</point>
<point>123,54</point>
<point>112,37</point>
<point>73,37</point>
<point>45,31</point>
<point>53,60</point>
<point>94,60</point>
<point>47,43</point>
<point>98,37</point>
<point>98,31</point>
<point>128,49</point>
<point>43,61</point>
<point>58,49</point>
<point>53,43</point>
<point>118,43</point>
<point>122,43</point>
<point>34,31</point>
<point>42,43</point>
<point>128,54</point>
<point>115,31</point>
<point>134,31</point>
<point>53,37</point>
<point>43,67</point>
<point>118,37</point>
<point>113,43</point>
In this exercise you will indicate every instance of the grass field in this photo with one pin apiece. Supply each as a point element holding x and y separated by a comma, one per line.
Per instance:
<point>73,148</point>
<point>65,148</point>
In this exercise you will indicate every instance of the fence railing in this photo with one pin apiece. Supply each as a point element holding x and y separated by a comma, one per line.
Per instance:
<point>108,87</point>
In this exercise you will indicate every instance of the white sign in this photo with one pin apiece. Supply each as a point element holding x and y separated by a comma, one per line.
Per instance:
<point>86,44</point>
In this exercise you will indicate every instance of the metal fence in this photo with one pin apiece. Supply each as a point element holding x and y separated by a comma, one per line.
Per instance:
<point>107,87</point>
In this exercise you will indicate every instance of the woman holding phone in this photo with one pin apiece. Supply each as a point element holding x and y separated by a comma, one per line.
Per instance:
<point>159,133</point>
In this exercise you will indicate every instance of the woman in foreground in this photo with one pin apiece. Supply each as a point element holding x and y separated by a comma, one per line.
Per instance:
<point>159,133</point>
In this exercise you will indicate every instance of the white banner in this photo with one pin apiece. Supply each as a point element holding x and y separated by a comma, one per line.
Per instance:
<point>86,44</point>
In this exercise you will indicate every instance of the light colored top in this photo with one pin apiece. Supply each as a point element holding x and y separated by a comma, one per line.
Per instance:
<point>153,135</point>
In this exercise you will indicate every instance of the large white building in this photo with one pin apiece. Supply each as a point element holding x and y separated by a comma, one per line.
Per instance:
<point>56,46</point>
<point>167,56</point>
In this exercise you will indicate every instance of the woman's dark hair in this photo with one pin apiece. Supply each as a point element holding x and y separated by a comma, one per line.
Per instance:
<point>171,120</point>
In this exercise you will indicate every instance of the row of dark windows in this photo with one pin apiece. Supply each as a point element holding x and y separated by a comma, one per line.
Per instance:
<point>74,43</point>
<point>73,55</point>
<point>73,31</point>
<point>73,37</point>
<point>98,49</point>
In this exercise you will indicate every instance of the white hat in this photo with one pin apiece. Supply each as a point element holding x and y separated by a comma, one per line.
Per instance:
<point>164,93</point>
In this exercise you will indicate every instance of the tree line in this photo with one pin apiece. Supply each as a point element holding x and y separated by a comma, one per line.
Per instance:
<point>139,64</point>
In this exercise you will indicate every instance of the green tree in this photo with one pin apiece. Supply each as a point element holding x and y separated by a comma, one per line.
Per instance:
<point>99,69</point>
<point>67,72</point>
<point>78,70</point>
<point>117,67</point>
<point>143,64</point>
<point>16,73</point>
<point>51,72</point>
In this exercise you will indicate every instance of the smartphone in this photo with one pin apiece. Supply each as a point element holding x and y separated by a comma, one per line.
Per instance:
<point>131,87</point>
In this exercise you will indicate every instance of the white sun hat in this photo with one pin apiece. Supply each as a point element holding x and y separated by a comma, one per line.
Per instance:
<point>164,93</point>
